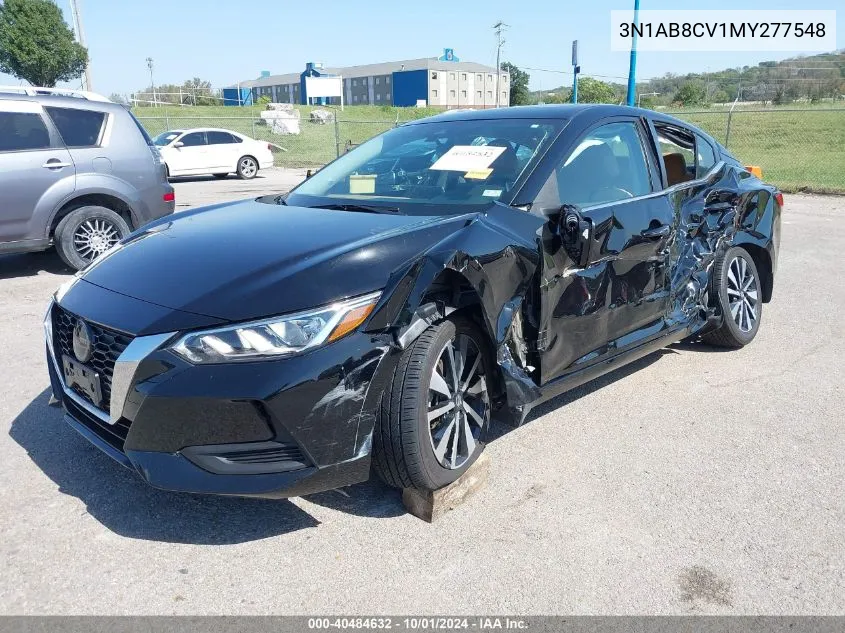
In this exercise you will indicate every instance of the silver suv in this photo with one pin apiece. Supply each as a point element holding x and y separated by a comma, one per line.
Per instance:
<point>78,172</point>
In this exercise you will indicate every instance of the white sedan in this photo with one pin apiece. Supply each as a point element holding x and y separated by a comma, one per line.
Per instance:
<point>211,151</point>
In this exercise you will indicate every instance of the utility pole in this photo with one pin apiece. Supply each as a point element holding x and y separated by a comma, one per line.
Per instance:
<point>632,71</point>
<point>500,41</point>
<point>152,83</point>
<point>76,14</point>
<point>575,70</point>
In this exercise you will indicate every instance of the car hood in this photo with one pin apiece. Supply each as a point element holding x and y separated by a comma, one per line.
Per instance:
<point>247,260</point>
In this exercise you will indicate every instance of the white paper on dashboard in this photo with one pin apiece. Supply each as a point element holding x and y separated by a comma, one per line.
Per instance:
<point>468,158</point>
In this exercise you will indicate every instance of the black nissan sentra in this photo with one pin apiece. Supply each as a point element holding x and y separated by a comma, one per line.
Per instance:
<point>456,268</point>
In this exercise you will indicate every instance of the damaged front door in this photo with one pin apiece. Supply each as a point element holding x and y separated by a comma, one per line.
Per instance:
<point>620,290</point>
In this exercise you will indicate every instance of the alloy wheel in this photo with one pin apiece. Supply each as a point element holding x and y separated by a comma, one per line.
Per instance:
<point>742,294</point>
<point>94,237</point>
<point>248,167</point>
<point>458,402</point>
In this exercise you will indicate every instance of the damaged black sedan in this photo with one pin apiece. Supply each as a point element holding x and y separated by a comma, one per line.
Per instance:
<point>460,267</point>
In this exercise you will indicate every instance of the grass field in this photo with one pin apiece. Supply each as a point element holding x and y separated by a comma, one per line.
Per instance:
<point>799,149</point>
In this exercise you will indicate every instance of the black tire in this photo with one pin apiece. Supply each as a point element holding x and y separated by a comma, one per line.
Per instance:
<point>247,167</point>
<point>221,176</point>
<point>742,309</point>
<point>403,438</point>
<point>102,227</point>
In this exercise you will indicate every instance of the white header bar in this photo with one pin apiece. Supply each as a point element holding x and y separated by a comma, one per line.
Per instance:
<point>800,31</point>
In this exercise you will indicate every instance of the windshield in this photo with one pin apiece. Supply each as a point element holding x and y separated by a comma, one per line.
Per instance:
<point>451,165</point>
<point>165,138</point>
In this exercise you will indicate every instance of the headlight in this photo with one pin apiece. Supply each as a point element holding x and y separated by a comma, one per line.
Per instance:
<point>279,336</point>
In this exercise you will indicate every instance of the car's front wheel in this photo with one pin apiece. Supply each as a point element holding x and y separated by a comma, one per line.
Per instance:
<point>435,414</point>
<point>247,167</point>
<point>736,284</point>
<point>86,233</point>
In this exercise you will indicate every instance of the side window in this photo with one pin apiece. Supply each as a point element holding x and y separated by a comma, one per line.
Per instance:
<point>22,131</point>
<point>193,139</point>
<point>705,158</point>
<point>678,149</point>
<point>79,128</point>
<point>220,138</point>
<point>609,164</point>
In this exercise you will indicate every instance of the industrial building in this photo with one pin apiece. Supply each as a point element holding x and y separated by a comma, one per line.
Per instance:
<point>443,82</point>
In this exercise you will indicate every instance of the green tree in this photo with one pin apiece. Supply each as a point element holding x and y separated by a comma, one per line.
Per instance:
<point>594,91</point>
<point>519,84</point>
<point>690,94</point>
<point>36,45</point>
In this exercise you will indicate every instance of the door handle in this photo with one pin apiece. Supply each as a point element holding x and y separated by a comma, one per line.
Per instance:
<point>656,233</point>
<point>55,164</point>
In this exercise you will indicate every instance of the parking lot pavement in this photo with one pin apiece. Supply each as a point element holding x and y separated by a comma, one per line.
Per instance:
<point>694,481</point>
<point>195,191</point>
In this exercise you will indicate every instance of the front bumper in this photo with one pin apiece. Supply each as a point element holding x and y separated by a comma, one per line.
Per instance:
<point>277,428</point>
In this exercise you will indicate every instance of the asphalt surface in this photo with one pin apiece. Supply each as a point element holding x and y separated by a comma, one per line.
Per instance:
<point>694,481</point>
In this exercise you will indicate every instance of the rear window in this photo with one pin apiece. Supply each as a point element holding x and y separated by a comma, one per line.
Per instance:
<point>22,131</point>
<point>79,128</point>
<point>221,138</point>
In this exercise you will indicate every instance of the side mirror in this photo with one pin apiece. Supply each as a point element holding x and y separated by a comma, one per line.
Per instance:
<point>576,234</point>
<point>178,144</point>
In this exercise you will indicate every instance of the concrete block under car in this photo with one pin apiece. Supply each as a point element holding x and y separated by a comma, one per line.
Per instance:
<point>431,505</point>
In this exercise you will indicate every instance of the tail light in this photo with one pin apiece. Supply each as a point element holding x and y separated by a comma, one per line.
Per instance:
<point>169,196</point>
<point>270,146</point>
<point>779,198</point>
<point>755,169</point>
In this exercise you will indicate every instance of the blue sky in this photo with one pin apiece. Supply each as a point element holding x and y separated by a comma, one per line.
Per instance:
<point>226,41</point>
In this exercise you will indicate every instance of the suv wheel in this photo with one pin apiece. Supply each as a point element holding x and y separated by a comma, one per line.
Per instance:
<point>86,233</point>
<point>434,417</point>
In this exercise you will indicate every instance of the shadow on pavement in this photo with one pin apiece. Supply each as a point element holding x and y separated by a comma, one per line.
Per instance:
<point>120,500</point>
<point>212,178</point>
<point>698,346</point>
<point>30,264</point>
<point>596,384</point>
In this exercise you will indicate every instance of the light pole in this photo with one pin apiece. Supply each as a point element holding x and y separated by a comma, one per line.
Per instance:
<point>152,83</point>
<point>76,14</point>
<point>632,71</point>
<point>500,41</point>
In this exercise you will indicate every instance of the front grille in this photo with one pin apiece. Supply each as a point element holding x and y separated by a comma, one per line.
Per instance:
<point>113,434</point>
<point>108,345</point>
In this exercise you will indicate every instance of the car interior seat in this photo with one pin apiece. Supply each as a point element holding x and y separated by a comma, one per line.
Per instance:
<point>676,169</point>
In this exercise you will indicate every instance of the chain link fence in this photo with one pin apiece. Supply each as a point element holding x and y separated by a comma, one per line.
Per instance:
<point>797,149</point>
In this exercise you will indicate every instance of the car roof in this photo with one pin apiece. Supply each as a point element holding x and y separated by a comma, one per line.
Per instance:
<point>62,101</point>
<point>586,111</point>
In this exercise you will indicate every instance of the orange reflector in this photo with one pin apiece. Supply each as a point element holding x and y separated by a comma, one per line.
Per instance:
<point>755,169</point>
<point>352,320</point>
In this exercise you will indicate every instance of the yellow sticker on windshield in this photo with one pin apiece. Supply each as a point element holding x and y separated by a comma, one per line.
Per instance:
<point>362,183</point>
<point>478,174</point>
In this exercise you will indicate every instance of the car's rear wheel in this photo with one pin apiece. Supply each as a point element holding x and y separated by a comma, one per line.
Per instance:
<point>247,167</point>
<point>434,416</point>
<point>86,233</point>
<point>736,282</point>
<point>221,176</point>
